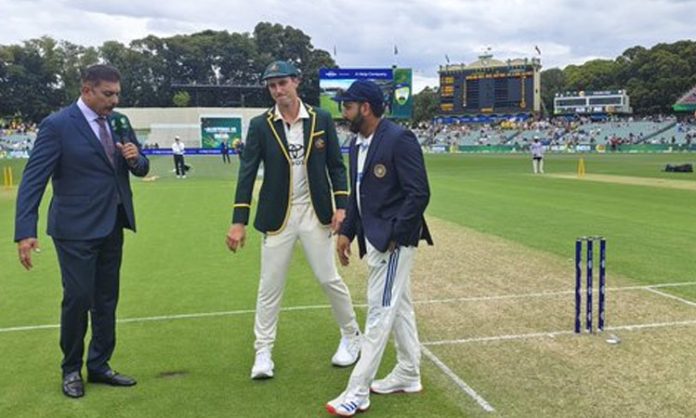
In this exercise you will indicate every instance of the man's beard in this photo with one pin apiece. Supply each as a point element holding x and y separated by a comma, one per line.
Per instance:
<point>356,123</point>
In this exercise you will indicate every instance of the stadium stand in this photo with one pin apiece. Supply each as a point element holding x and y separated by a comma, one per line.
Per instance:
<point>561,131</point>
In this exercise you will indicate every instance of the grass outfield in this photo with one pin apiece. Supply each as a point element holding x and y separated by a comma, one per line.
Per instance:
<point>494,301</point>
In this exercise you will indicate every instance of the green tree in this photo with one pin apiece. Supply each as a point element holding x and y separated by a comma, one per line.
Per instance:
<point>31,85</point>
<point>425,105</point>
<point>275,42</point>
<point>552,82</point>
<point>181,99</point>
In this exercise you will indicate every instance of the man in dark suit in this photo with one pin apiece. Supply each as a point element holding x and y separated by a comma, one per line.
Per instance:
<point>389,193</point>
<point>304,177</point>
<point>87,151</point>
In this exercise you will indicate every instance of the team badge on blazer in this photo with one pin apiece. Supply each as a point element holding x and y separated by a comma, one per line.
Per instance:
<point>380,171</point>
<point>320,144</point>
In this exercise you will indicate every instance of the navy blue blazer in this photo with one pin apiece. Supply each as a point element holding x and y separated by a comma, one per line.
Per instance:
<point>86,187</point>
<point>394,191</point>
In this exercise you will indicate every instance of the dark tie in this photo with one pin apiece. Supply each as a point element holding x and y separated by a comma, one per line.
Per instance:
<point>105,139</point>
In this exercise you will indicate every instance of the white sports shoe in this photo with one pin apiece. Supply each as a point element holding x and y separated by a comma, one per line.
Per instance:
<point>348,351</point>
<point>347,405</point>
<point>394,384</point>
<point>263,365</point>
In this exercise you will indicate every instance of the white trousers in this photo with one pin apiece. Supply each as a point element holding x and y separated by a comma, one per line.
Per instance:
<point>276,252</point>
<point>390,309</point>
<point>538,165</point>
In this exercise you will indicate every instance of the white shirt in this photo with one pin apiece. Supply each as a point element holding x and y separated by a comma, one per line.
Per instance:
<point>294,134</point>
<point>178,148</point>
<point>537,150</point>
<point>363,145</point>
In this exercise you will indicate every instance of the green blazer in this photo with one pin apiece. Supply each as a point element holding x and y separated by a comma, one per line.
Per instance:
<point>326,173</point>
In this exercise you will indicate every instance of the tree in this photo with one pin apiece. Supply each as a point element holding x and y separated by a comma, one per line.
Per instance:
<point>552,82</point>
<point>31,86</point>
<point>41,75</point>
<point>425,105</point>
<point>275,42</point>
<point>653,78</point>
<point>181,99</point>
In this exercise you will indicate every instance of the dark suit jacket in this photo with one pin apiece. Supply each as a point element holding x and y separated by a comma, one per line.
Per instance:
<point>394,191</point>
<point>266,143</point>
<point>85,184</point>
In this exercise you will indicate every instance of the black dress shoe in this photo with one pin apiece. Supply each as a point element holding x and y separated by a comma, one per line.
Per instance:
<point>73,386</point>
<point>111,378</point>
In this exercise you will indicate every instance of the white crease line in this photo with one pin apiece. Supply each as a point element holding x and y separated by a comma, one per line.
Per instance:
<point>653,325</point>
<point>173,317</point>
<point>459,382</point>
<point>550,334</point>
<point>553,334</point>
<point>547,294</point>
<point>676,284</point>
<point>29,328</point>
<point>312,307</point>
<point>667,295</point>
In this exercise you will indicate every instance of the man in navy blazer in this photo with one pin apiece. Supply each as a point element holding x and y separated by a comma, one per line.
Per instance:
<point>88,152</point>
<point>389,193</point>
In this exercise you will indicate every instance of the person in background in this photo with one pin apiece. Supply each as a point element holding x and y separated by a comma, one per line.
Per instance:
<point>178,150</point>
<point>537,150</point>
<point>225,151</point>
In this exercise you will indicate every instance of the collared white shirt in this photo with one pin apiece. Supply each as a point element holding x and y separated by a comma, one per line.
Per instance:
<point>91,117</point>
<point>178,148</point>
<point>294,134</point>
<point>363,144</point>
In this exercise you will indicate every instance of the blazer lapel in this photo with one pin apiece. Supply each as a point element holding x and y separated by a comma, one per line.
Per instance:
<point>374,144</point>
<point>353,162</point>
<point>309,126</point>
<point>87,133</point>
<point>278,132</point>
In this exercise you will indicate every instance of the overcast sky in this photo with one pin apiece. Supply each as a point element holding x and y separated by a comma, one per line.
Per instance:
<point>364,33</point>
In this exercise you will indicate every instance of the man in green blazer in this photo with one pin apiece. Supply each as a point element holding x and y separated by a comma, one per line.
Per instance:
<point>303,196</point>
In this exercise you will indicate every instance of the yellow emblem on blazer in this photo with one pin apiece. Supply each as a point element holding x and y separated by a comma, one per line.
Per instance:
<point>380,171</point>
<point>320,144</point>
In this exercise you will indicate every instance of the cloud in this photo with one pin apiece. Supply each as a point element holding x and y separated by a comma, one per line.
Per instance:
<point>365,32</point>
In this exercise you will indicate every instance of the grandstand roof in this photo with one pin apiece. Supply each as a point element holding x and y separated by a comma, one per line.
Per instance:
<point>687,102</point>
<point>487,61</point>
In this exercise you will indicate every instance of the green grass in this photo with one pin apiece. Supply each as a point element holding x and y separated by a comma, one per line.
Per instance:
<point>178,264</point>
<point>648,229</point>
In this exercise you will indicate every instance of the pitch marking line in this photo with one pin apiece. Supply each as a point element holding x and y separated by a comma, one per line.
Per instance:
<point>667,295</point>
<point>432,357</point>
<point>650,288</point>
<point>457,380</point>
<point>553,334</point>
<point>173,317</point>
<point>547,294</point>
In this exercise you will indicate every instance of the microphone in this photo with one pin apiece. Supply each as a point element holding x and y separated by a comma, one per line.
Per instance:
<point>121,128</point>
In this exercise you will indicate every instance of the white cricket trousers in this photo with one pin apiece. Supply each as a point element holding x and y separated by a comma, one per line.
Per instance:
<point>538,165</point>
<point>276,252</point>
<point>390,309</point>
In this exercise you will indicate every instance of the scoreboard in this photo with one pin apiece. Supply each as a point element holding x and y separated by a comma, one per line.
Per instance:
<point>490,86</point>
<point>592,102</point>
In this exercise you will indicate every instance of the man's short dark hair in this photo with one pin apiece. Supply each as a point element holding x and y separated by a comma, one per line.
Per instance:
<point>377,109</point>
<point>95,74</point>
